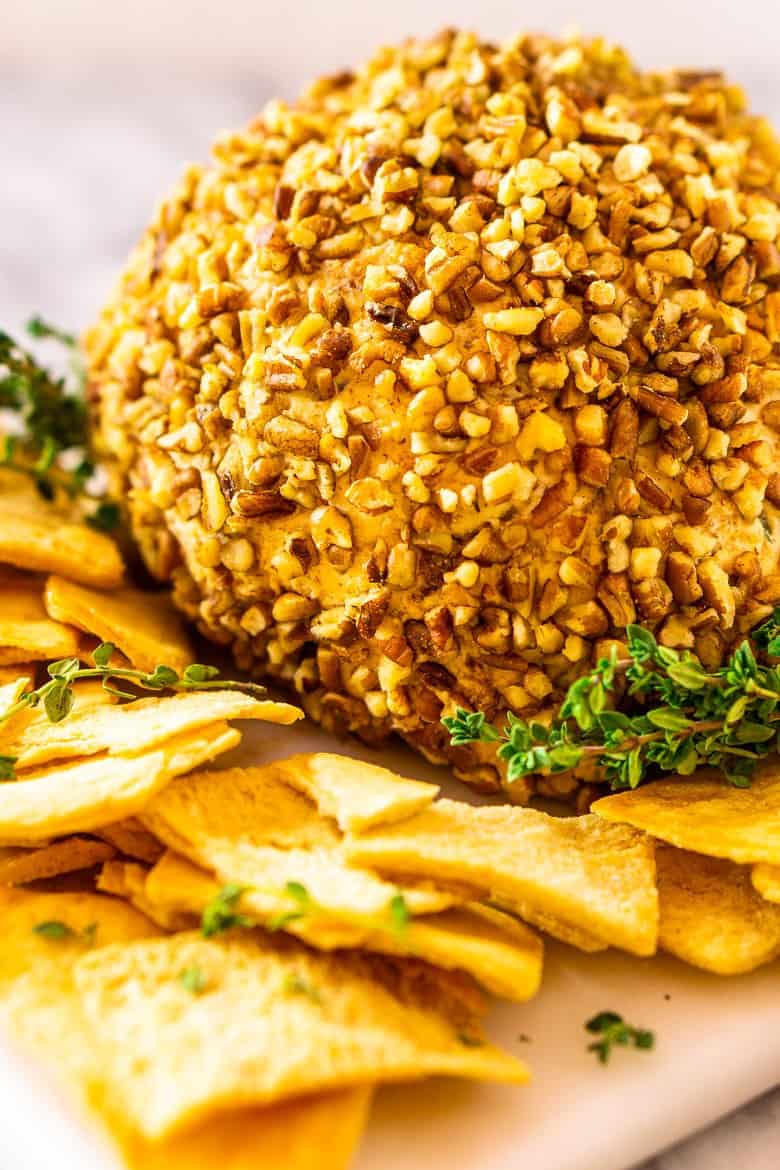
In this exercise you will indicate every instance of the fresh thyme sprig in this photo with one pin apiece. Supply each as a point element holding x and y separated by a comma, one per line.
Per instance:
<point>612,1029</point>
<point>681,715</point>
<point>52,418</point>
<point>56,696</point>
<point>54,930</point>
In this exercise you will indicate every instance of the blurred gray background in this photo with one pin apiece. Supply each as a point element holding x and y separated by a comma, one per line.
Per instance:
<point>101,103</point>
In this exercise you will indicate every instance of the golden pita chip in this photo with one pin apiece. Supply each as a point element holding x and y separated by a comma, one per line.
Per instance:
<point>315,1133</point>
<point>356,794</point>
<point>88,919</point>
<point>175,885</point>
<point>274,1021</point>
<point>127,879</point>
<point>549,870</point>
<point>503,955</point>
<point>766,879</point>
<point>132,839</point>
<point>81,796</point>
<point>249,827</point>
<point>137,727</point>
<point>30,865</point>
<point>90,692</point>
<point>144,626</point>
<point>711,916</point>
<point>707,814</point>
<point>14,672</point>
<point>11,690</point>
<point>26,627</point>
<point>33,536</point>
<point>14,657</point>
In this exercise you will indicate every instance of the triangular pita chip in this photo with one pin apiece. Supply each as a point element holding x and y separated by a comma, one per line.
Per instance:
<point>131,838</point>
<point>274,1021</point>
<point>15,671</point>
<point>503,955</point>
<point>315,1133</point>
<point>707,814</point>
<point>89,919</point>
<point>133,728</point>
<point>127,879</point>
<point>711,916</point>
<point>550,870</point>
<point>26,626</point>
<point>44,1016</point>
<point>33,536</point>
<point>766,879</point>
<point>249,827</point>
<point>144,626</point>
<point>19,866</point>
<point>84,795</point>
<point>356,794</point>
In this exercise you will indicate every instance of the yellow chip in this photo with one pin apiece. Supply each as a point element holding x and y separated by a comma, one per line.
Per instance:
<point>30,865</point>
<point>133,728</point>
<point>275,1021</point>
<point>356,794</point>
<point>13,672</point>
<point>316,1133</point>
<point>14,657</point>
<point>503,955</point>
<point>574,871</point>
<point>176,886</point>
<point>249,827</point>
<point>11,690</point>
<point>88,919</point>
<point>707,814</point>
<point>81,796</point>
<point>711,916</point>
<point>33,536</point>
<point>127,879</point>
<point>25,626</point>
<point>132,839</point>
<point>144,626</point>
<point>766,879</point>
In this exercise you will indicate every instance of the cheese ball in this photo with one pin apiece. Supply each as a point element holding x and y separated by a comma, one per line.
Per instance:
<point>436,380</point>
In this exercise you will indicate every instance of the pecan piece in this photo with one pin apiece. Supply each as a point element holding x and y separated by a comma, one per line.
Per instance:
<point>625,430</point>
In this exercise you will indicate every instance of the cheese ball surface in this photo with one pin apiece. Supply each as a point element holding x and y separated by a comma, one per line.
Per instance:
<point>437,379</point>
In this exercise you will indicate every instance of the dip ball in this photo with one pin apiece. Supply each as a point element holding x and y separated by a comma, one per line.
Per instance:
<point>437,379</point>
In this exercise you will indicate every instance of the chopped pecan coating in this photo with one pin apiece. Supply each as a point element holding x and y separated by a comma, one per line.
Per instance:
<point>437,379</point>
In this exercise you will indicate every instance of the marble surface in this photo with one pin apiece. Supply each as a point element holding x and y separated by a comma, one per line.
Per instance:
<point>82,165</point>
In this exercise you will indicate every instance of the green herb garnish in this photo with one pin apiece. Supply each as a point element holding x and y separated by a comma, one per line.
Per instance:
<point>295,984</point>
<point>612,1029</point>
<point>469,1041</point>
<point>55,930</point>
<point>220,914</point>
<point>303,905</point>
<point>56,695</point>
<point>683,716</point>
<point>399,913</point>
<point>193,980</point>
<point>51,418</point>
<point>7,771</point>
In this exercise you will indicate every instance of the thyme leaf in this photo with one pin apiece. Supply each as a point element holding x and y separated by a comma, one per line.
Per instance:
<point>611,1030</point>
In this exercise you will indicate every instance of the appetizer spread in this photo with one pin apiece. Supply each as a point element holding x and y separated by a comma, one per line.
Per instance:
<point>447,399</point>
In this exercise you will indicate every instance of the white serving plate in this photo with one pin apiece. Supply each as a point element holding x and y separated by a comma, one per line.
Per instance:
<point>717,1046</point>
